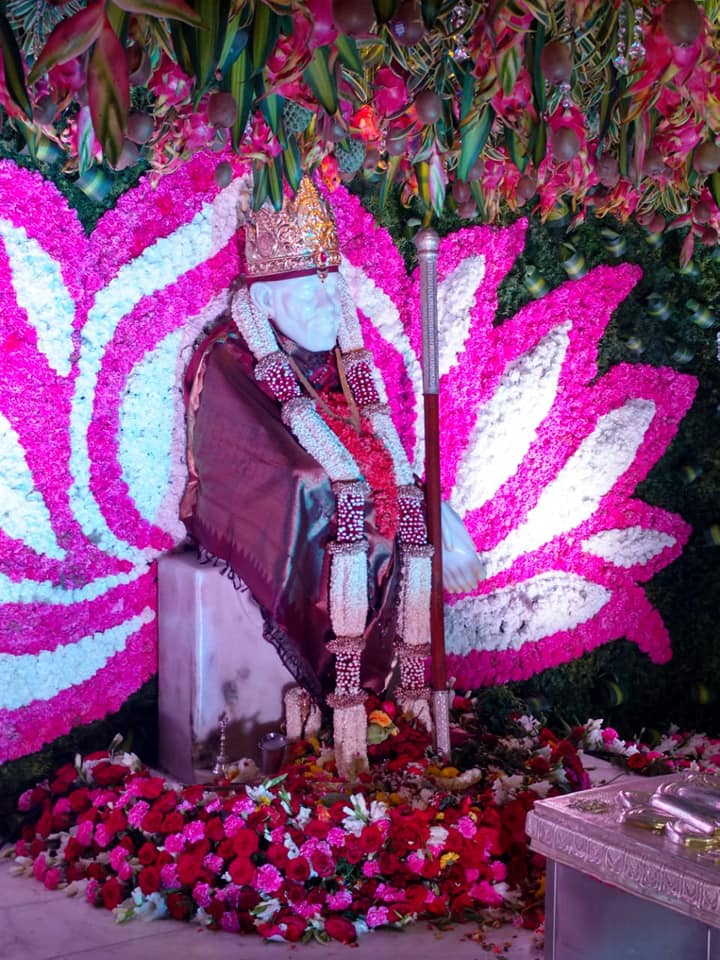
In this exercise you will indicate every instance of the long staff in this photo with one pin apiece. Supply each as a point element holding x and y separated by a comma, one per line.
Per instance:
<point>427,243</point>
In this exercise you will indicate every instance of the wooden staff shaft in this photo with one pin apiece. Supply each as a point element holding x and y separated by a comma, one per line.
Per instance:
<point>433,500</point>
<point>427,243</point>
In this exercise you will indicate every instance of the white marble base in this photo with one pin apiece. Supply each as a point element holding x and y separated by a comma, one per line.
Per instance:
<point>212,659</point>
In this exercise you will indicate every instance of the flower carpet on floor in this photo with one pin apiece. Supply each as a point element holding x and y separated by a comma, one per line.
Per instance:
<point>306,855</point>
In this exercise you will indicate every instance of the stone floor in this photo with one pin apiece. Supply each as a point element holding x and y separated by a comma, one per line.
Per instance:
<point>39,924</point>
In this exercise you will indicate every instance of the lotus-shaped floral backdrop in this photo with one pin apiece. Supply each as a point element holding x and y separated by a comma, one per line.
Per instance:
<point>540,456</point>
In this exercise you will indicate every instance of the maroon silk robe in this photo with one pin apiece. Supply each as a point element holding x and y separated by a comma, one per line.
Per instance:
<point>257,500</point>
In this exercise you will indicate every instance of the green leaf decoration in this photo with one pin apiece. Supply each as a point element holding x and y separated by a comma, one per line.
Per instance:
<point>430,10</point>
<point>318,77</point>
<point>86,139</point>
<point>510,64</point>
<point>265,30</point>
<point>260,184</point>
<point>275,181</point>
<point>235,42</point>
<point>475,130</point>
<point>535,45</point>
<point>272,108</point>
<point>539,142</point>
<point>349,54</point>
<point>172,9</point>
<point>385,9</point>
<point>515,149</point>
<point>714,185</point>
<point>389,178</point>
<point>239,83</point>
<point>206,46</point>
<point>70,38</point>
<point>109,92</point>
<point>292,163</point>
<point>14,72</point>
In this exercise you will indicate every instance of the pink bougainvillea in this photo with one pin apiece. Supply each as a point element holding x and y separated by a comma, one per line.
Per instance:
<point>92,437</point>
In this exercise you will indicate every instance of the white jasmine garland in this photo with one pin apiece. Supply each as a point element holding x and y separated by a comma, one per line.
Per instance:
<point>384,427</point>
<point>315,436</point>
<point>348,588</point>
<point>413,622</point>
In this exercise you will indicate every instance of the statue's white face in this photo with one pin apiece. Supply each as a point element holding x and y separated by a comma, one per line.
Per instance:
<point>305,309</point>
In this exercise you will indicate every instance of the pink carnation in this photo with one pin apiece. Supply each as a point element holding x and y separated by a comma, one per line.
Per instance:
<point>137,814</point>
<point>340,900</point>
<point>377,916</point>
<point>336,837</point>
<point>229,921</point>
<point>169,876</point>
<point>467,828</point>
<point>84,833</point>
<point>268,878</point>
<point>202,894</point>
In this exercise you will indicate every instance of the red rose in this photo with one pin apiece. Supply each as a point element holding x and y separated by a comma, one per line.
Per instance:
<point>317,828</point>
<point>149,880</point>
<point>245,842</point>
<point>152,821</point>
<point>166,802</point>
<point>108,774</point>
<point>179,906</point>
<point>637,761</point>
<point>353,850</point>
<point>150,788</point>
<point>214,829</point>
<point>112,893</point>
<point>79,800</point>
<point>277,855</point>
<point>96,871</point>
<point>323,864</point>
<point>116,822</point>
<point>147,854</point>
<point>44,825</point>
<point>298,869</point>
<point>73,849</point>
<point>294,926</point>
<point>248,900</point>
<point>163,857</point>
<point>242,871</point>
<point>371,838</point>
<point>173,823</point>
<point>189,868</point>
<point>73,872</point>
<point>225,849</point>
<point>129,844</point>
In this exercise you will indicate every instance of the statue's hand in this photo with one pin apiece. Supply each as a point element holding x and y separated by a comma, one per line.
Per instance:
<point>462,567</point>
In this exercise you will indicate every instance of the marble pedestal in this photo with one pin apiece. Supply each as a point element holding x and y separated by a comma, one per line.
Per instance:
<point>212,659</point>
<point>616,892</point>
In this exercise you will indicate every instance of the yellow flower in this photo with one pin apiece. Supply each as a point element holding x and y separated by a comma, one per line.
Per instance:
<point>449,857</point>
<point>380,718</point>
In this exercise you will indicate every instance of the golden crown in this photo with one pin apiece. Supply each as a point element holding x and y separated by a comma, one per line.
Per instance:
<point>299,238</point>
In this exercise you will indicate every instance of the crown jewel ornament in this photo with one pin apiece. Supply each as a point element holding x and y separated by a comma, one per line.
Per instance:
<point>301,238</point>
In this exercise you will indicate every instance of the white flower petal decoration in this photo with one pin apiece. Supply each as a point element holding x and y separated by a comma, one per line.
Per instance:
<point>41,292</point>
<point>575,493</point>
<point>385,316</point>
<point>455,297</point>
<point>146,432</point>
<point>507,424</point>
<point>628,547</point>
<point>526,611</point>
<point>158,266</point>
<point>45,591</point>
<point>26,677</point>
<point>23,512</point>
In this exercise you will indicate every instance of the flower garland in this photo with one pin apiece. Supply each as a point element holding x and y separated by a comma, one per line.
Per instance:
<point>348,599</point>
